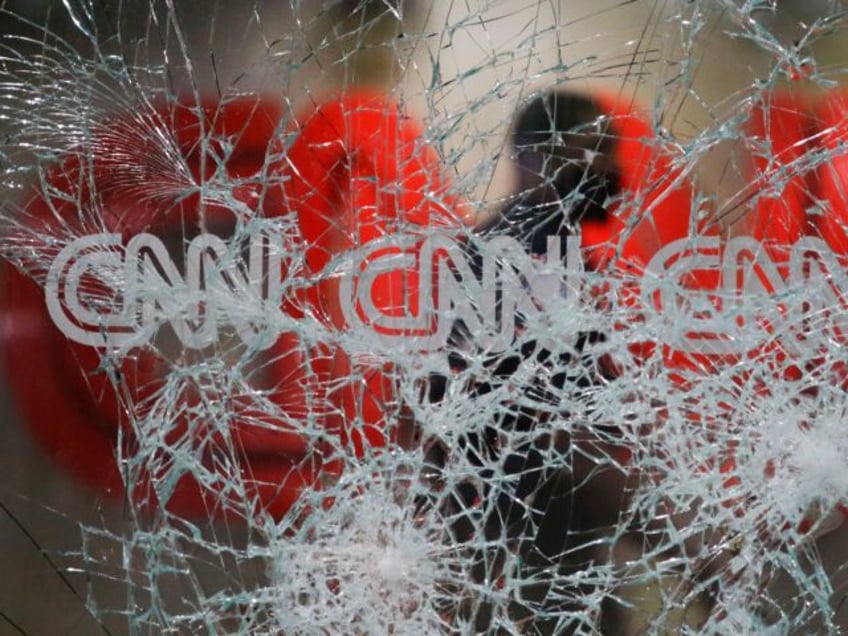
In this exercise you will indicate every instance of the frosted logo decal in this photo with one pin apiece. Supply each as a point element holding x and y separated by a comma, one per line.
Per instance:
<point>104,294</point>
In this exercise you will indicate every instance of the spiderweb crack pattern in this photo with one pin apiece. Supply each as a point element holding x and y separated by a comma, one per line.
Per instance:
<point>621,411</point>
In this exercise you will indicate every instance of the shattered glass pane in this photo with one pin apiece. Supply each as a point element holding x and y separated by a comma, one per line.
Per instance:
<point>374,316</point>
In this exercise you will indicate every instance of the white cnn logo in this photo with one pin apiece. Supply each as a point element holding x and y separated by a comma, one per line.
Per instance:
<point>798,299</point>
<point>102,293</point>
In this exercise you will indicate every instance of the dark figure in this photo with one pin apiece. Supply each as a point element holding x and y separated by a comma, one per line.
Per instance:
<point>564,153</point>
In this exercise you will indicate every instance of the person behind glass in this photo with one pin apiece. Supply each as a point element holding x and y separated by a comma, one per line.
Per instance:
<point>584,165</point>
